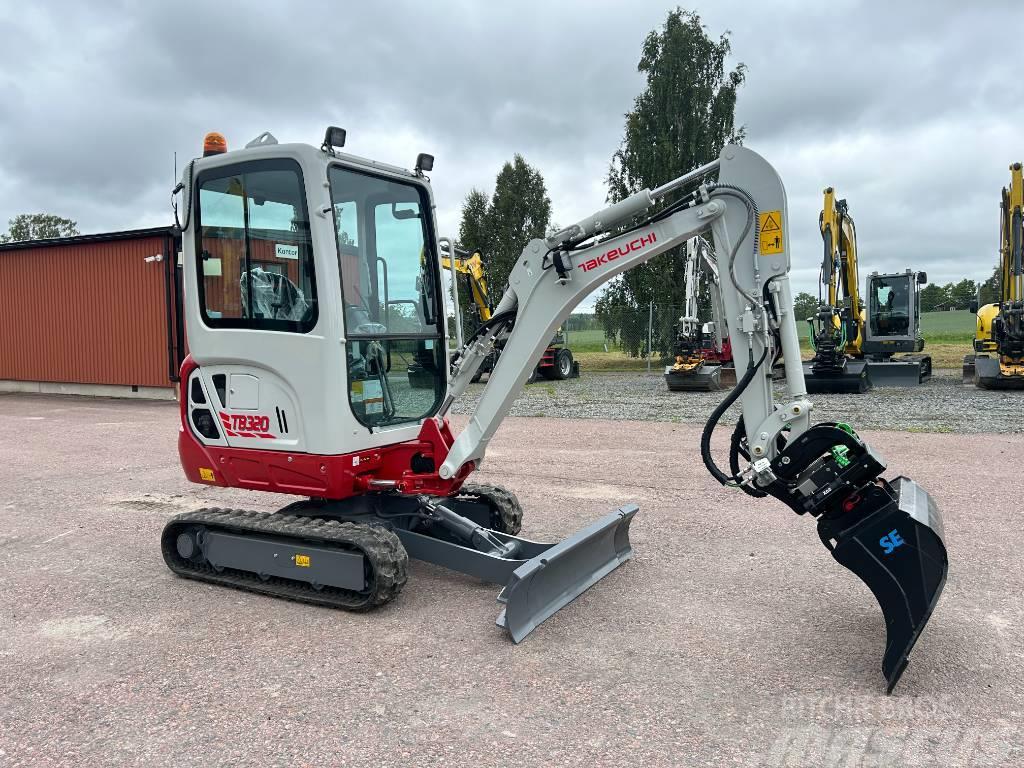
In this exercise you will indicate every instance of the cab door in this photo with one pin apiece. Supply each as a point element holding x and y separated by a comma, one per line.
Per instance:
<point>254,317</point>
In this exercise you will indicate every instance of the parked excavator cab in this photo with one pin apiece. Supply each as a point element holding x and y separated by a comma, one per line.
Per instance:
<point>893,343</point>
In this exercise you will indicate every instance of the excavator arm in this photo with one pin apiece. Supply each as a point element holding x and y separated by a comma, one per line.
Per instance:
<point>840,270</point>
<point>552,276</point>
<point>887,532</point>
<point>472,266</point>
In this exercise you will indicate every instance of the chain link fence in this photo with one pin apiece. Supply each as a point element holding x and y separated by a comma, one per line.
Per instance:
<point>632,335</point>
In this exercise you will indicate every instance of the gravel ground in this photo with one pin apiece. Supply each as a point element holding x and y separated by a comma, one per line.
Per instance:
<point>941,405</point>
<point>731,639</point>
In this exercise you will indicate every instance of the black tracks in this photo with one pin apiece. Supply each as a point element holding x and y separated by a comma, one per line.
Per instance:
<point>506,512</point>
<point>384,555</point>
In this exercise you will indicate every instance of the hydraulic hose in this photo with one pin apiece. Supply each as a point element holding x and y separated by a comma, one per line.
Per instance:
<point>728,190</point>
<point>716,415</point>
<point>736,450</point>
<point>501,318</point>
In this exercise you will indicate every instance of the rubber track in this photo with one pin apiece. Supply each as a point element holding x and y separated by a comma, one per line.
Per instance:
<point>381,548</point>
<point>506,511</point>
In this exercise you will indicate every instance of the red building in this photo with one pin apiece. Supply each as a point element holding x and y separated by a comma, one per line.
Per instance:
<point>90,315</point>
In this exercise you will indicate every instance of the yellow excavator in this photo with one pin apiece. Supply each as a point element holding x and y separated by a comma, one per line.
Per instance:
<point>472,266</point>
<point>837,329</point>
<point>998,358</point>
<point>856,347</point>
<point>557,361</point>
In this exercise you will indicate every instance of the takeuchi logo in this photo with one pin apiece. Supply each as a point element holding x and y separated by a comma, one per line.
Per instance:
<point>623,250</point>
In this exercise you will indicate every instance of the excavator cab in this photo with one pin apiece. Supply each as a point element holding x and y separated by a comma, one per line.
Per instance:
<point>894,312</point>
<point>892,338</point>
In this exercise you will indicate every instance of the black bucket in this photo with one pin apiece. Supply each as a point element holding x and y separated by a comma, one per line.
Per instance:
<point>851,379</point>
<point>896,547</point>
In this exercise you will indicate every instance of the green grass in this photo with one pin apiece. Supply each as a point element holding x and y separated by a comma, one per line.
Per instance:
<point>947,337</point>
<point>948,326</point>
<point>588,341</point>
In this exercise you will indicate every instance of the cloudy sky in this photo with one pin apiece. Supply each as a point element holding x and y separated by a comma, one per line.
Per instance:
<point>912,110</point>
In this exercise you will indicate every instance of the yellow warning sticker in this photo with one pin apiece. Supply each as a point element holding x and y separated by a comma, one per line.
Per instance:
<point>769,233</point>
<point>205,473</point>
<point>302,561</point>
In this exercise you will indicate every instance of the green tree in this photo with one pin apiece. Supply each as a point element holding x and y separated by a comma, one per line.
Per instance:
<point>520,211</point>
<point>38,226</point>
<point>933,298</point>
<point>962,294</point>
<point>990,289</point>
<point>681,120</point>
<point>473,228</point>
<point>472,237</point>
<point>804,306</point>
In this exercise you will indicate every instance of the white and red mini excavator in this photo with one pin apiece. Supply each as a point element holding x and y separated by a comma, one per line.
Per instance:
<point>313,281</point>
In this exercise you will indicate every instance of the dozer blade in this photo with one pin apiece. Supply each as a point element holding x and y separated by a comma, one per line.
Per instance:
<point>707,378</point>
<point>968,369</point>
<point>851,379</point>
<point>896,373</point>
<point>537,579</point>
<point>896,547</point>
<point>551,580</point>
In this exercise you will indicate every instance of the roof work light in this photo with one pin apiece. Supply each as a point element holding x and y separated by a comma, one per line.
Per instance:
<point>214,144</point>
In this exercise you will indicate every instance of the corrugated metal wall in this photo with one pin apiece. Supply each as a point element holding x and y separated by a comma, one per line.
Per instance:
<point>87,313</point>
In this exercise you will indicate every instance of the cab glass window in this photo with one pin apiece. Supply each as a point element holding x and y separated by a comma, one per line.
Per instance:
<point>255,256</point>
<point>396,358</point>
<point>890,306</point>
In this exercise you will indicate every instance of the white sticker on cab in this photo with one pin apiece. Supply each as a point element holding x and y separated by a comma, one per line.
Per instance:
<point>286,251</point>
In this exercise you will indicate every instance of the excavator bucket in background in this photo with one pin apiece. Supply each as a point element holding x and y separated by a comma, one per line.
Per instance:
<point>896,547</point>
<point>850,379</point>
<point>704,378</point>
<point>989,374</point>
